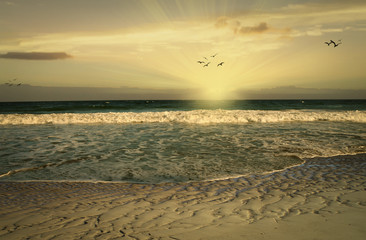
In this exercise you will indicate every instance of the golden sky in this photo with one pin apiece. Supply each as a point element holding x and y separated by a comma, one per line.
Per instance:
<point>155,44</point>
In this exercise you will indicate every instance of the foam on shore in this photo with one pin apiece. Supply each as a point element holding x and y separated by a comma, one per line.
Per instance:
<point>196,117</point>
<point>323,198</point>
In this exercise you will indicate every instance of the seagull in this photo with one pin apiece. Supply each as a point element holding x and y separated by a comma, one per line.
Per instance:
<point>328,42</point>
<point>220,64</point>
<point>339,42</point>
<point>13,82</point>
<point>332,42</point>
<point>335,45</point>
<point>200,62</point>
<point>214,55</point>
<point>206,65</point>
<point>205,58</point>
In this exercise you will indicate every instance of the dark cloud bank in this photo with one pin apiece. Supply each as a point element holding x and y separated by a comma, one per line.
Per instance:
<point>34,93</point>
<point>35,55</point>
<point>292,92</point>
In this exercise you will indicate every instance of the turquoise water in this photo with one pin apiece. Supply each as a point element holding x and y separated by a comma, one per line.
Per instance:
<point>159,141</point>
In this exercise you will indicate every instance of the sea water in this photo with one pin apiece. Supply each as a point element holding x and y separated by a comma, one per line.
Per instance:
<point>172,141</point>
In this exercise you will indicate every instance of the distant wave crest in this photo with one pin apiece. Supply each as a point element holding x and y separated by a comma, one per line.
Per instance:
<point>193,117</point>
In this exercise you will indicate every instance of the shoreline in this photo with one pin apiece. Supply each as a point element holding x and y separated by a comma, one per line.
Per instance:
<point>304,161</point>
<point>321,192</point>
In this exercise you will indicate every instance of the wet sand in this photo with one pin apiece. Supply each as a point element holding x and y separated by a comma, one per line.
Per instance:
<point>324,198</point>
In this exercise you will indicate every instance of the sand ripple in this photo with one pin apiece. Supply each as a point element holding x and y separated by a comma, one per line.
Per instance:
<point>245,207</point>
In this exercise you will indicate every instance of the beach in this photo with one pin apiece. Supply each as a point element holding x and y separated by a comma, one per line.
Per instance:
<point>323,198</point>
<point>182,120</point>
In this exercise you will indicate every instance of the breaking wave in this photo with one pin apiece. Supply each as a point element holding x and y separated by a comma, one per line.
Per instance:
<point>192,117</point>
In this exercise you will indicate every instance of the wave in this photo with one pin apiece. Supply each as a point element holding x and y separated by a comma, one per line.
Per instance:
<point>194,117</point>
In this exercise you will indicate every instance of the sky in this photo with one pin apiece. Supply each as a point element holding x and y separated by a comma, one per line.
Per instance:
<point>143,49</point>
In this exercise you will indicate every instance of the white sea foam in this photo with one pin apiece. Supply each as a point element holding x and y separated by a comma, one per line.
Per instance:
<point>168,152</point>
<point>195,117</point>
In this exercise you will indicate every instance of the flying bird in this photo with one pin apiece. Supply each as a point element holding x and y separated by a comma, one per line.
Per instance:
<point>328,43</point>
<point>13,82</point>
<point>205,58</point>
<point>220,64</point>
<point>214,55</point>
<point>339,42</point>
<point>206,65</point>
<point>200,62</point>
<point>332,42</point>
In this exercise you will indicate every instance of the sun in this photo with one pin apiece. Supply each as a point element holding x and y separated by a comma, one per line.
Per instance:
<point>215,93</point>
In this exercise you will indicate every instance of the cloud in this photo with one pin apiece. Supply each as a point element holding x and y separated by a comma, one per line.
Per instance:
<point>260,28</point>
<point>330,14</point>
<point>323,5</point>
<point>27,92</point>
<point>305,18</point>
<point>221,22</point>
<point>36,55</point>
<point>292,92</point>
<point>240,29</point>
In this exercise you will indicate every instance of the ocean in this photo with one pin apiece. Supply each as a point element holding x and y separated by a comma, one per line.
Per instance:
<point>172,141</point>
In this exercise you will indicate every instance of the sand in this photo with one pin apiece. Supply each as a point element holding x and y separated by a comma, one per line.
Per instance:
<point>324,198</point>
